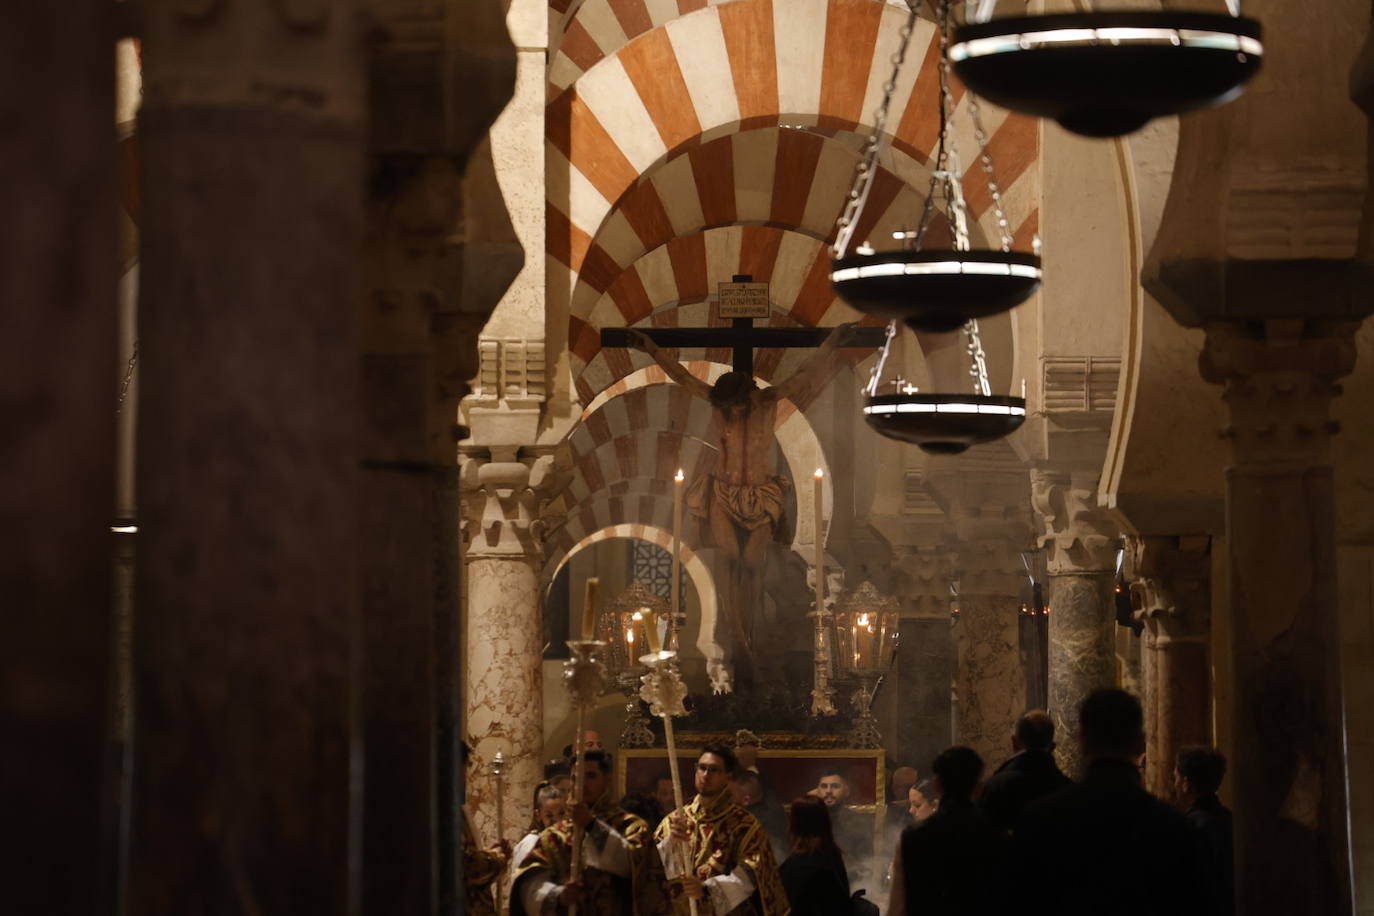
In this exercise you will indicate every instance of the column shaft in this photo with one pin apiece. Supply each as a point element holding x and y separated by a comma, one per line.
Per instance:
<point>505,698</point>
<point>58,274</point>
<point>248,482</point>
<point>1288,772</point>
<point>1082,652</point>
<point>991,680</point>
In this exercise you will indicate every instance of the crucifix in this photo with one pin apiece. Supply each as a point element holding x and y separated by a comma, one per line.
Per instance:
<point>742,499</point>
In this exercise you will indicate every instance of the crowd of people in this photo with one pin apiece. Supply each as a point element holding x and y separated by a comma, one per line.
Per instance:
<point>1025,840</point>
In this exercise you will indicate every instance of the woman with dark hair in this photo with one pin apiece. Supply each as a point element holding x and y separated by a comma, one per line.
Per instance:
<point>814,875</point>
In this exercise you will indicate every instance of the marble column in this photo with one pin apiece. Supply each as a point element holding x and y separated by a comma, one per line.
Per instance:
<point>1171,585</point>
<point>1288,773</point>
<point>990,678</point>
<point>504,635</point>
<point>925,658</point>
<point>252,178</point>
<point>1081,546</point>
<point>58,277</point>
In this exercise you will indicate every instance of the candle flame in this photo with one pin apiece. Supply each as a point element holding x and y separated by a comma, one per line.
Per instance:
<point>679,477</point>
<point>819,473</point>
<point>630,636</point>
<point>863,620</point>
<point>637,615</point>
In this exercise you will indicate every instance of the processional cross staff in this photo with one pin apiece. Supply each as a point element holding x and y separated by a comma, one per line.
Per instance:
<point>585,677</point>
<point>742,499</point>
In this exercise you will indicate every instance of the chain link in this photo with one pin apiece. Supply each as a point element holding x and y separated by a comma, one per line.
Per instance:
<point>877,374</point>
<point>981,135</point>
<point>867,168</point>
<point>979,370</point>
<point>128,378</point>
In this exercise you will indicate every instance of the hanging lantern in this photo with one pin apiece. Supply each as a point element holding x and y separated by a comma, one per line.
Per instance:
<point>941,424</point>
<point>1105,74</point>
<point>931,289</point>
<point>623,626</point>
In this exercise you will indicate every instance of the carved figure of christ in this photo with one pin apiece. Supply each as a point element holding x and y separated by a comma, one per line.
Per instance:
<point>742,500</point>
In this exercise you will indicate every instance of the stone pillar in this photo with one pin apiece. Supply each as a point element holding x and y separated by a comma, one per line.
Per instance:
<point>252,145</point>
<point>504,630</point>
<point>1171,590</point>
<point>925,658</point>
<point>58,276</point>
<point>1288,773</point>
<point>990,679</point>
<point>1080,552</point>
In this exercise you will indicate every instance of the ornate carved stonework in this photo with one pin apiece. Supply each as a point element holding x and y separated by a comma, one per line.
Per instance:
<point>502,498</point>
<point>923,582</point>
<point>1171,584</point>
<point>1279,378</point>
<point>1078,535</point>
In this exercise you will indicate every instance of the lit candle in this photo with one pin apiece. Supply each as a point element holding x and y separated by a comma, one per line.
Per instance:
<point>675,584</point>
<point>818,501</point>
<point>589,609</point>
<point>651,630</point>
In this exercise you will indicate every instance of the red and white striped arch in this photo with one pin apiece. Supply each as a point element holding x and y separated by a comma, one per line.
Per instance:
<point>629,446</point>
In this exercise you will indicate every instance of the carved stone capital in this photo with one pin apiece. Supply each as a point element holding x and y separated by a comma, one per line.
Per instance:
<point>1079,536</point>
<point>922,582</point>
<point>990,541</point>
<point>1171,585</point>
<point>503,496</point>
<point>1279,378</point>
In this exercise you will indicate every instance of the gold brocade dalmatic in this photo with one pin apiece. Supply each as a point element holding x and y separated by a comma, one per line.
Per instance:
<point>481,870</point>
<point>723,837</point>
<point>603,894</point>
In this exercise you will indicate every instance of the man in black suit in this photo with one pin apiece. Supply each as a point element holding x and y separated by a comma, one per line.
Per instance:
<point>1198,772</point>
<point>1031,772</point>
<point>1105,846</point>
<point>953,863</point>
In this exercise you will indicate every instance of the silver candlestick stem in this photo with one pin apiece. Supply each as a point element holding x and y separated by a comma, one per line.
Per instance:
<point>498,771</point>
<point>664,691</point>
<point>585,678</point>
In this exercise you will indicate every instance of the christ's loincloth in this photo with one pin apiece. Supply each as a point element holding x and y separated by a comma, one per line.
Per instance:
<point>748,506</point>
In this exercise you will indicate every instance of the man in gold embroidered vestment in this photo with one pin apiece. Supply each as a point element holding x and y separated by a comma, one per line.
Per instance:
<point>716,852</point>
<point>620,875</point>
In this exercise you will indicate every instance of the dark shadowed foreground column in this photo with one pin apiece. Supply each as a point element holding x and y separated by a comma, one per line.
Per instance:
<point>1080,553</point>
<point>58,385</point>
<point>248,482</point>
<point>1171,581</point>
<point>1288,775</point>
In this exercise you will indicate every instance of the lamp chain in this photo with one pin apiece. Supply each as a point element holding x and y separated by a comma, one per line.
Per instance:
<point>947,175</point>
<point>877,374</point>
<point>1003,228</point>
<point>867,168</point>
<point>979,370</point>
<point>128,378</point>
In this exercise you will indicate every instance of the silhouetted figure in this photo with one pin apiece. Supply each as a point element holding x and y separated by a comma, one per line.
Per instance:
<point>1031,772</point>
<point>923,800</point>
<point>952,863</point>
<point>750,795</point>
<point>1105,846</point>
<point>814,874</point>
<point>644,806</point>
<point>1198,772</point>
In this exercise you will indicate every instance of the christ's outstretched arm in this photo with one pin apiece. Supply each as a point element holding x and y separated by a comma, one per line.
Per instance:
<point>802,385</point>
<point>676,371</point>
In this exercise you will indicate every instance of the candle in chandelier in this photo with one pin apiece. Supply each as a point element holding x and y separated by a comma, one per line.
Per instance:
<point>651,630</point>
<point>818,501</point>
<point>589,609</point>
<point>675,582</point>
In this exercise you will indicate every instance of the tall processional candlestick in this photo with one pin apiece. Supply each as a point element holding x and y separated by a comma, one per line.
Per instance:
<point>675,584</point>
<point>498,771</point>
<point>664,691</point>
<point>822,695</point>
<point>585,677</point>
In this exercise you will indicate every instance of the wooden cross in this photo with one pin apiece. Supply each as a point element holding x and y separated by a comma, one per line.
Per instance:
<point>743,338</point>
